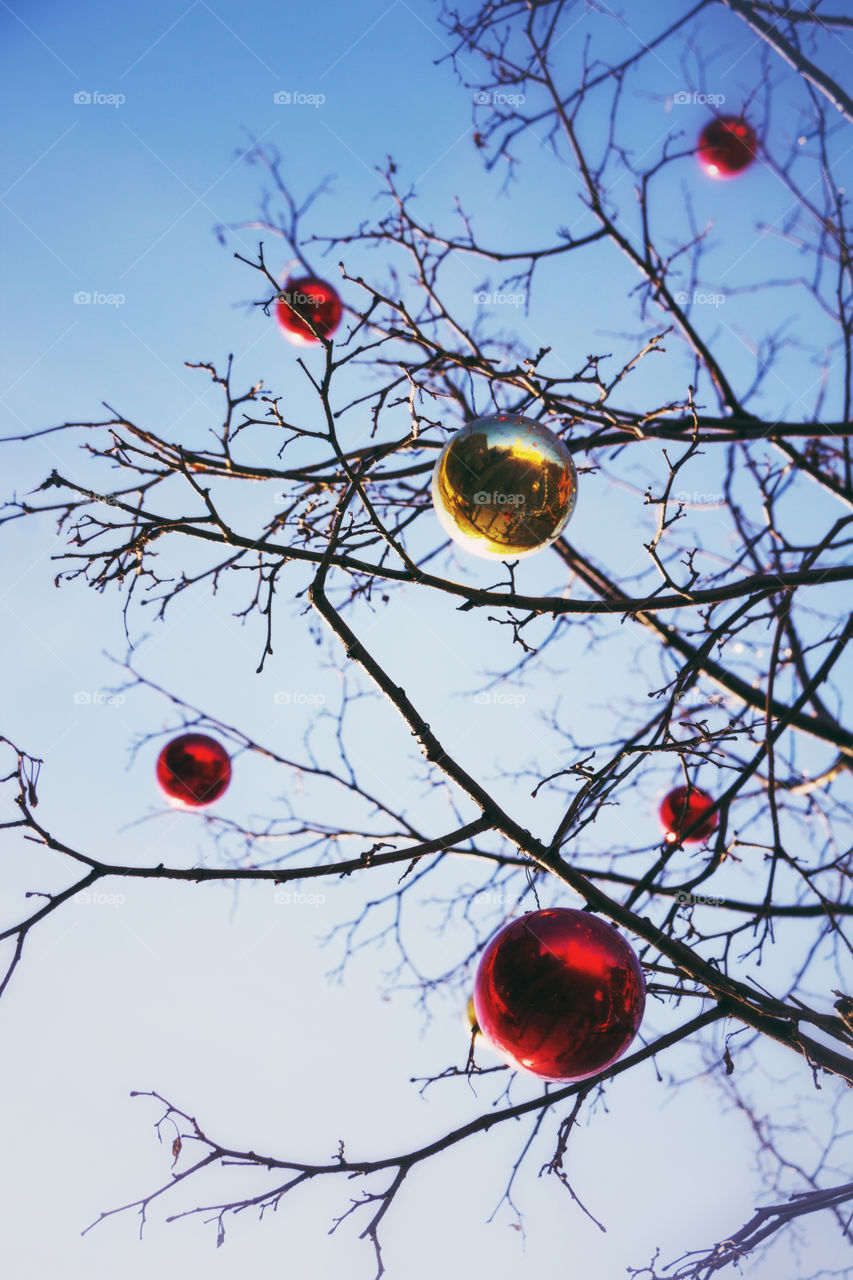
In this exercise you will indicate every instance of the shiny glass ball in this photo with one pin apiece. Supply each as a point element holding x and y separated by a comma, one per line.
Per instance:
<point>504,487</point>
<point>193,770</point>
<point>308,309</point>
<point>559,993</point>
<point>681,808</point>
<point>727,146</point>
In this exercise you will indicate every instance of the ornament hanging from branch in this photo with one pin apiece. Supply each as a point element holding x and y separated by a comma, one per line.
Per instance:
<point>559,993</point>
<point>683,807</point>
<point>193,770</point>
<point>727,146</point>
<point>504,487</point>
<point>307,310</point>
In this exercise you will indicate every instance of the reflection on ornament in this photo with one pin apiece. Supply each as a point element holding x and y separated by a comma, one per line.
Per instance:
<point>193,770</point>
<point>726,146</point>
<point>504,487</point>
<point>475,1037</point>
<point>559,993</point>
<point>681,808</point>
<point>471,1024</point>
<point>308,310</point>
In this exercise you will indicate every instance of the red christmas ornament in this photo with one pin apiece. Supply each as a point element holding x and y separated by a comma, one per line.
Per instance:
<point>726,146</point>
<point>193,770</point>
<point>559,993</point>
<point>681,808</point>
<point>308,310</point>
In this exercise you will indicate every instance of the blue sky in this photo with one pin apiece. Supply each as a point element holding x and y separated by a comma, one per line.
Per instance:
<point>219,999</point>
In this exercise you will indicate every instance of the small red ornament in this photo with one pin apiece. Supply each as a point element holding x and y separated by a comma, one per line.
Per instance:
<point>193,770</point>
<point>308,310</point>
<point>559,993</point>
<point>727,146</point>
<point>681,808</point>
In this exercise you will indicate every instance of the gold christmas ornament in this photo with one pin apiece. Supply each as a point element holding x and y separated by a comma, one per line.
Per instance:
<point>504,487</point>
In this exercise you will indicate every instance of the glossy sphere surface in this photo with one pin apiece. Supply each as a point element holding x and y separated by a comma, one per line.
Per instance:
<point>504,487</point>
<point>726,146</point>
<point>194,769</point>
<point>560,993</point>
<point>307,310</point>
<point>681,808</point>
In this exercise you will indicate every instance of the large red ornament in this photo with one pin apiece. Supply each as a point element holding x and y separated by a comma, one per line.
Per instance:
<point>308,310</point>
<point>681,808</point>
<point>559,993</point>
<point>726,146</point>
<point>194,770</point>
